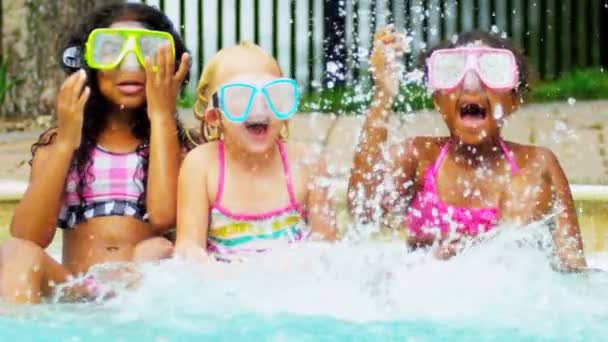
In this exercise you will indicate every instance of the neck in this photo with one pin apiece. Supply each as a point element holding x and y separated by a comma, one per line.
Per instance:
<point>489,150</point>
<point>120,118</point>
<point>253,161</point>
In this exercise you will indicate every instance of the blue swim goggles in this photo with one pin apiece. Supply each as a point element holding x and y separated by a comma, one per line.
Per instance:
<point>236,99</point>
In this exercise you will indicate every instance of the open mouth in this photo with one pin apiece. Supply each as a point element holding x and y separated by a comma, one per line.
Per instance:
<point>472,111</point>
<point>472,114</point>
<point>258,128</point>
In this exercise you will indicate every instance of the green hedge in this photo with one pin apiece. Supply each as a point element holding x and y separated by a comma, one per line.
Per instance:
<point>591,84</point>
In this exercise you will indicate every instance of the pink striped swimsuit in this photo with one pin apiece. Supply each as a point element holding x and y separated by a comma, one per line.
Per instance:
<point>429,216</point>
<point>233,234</point>
<point>113,186</point>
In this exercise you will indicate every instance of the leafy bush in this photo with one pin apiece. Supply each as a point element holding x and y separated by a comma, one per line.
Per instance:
<point>590,84</point>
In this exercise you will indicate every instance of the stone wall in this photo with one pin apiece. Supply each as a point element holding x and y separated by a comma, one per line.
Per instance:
<point>30,31</point>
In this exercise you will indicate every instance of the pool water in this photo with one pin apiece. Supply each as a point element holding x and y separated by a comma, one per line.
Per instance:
<point>501,290</point>
<point>358,290</point>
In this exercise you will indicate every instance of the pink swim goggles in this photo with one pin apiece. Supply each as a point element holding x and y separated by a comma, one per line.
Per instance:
<point>496,68</point>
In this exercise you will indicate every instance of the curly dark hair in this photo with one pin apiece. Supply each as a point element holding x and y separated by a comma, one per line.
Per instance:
<point>491,40</point>
<point>96,109</point>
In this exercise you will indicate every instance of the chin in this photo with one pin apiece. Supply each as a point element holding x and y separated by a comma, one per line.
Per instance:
<point>260,147</point>
<point>128,102</point>
<point>472,138</point>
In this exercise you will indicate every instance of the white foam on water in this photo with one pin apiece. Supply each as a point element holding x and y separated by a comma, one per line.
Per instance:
<point>506,281</point>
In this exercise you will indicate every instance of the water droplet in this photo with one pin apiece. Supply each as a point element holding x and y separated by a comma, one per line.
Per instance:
<point>332,67</point>
<point>498,112</point>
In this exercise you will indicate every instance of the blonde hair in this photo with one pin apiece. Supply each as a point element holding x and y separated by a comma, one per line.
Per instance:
<point>203,91</point>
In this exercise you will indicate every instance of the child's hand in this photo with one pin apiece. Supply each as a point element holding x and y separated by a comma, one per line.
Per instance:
<point>192,253</point>
<point>447,249</point>
<point>70,108</point>
<point>163,84</point>
<point>389,46</point>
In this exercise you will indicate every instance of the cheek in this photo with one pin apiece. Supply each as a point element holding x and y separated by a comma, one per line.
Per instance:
<point>446,102</point>
<point>278,124</point>
<point>229,126</point>
<point>504,99</point>
<point>105,82</point>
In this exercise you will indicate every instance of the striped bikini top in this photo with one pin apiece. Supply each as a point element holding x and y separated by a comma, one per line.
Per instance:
<point>113,185</point>
<point>233,234</point>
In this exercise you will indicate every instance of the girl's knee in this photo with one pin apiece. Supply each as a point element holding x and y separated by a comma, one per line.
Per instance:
<point>19,252</point>
<point>21,270</point>
<point>153,249</point>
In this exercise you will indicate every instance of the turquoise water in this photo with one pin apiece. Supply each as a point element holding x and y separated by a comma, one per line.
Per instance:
<point>504,290</point>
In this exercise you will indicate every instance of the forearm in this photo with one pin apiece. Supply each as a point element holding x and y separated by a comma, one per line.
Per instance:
<point>368,172</point>
<point>35,217</point>
<point>569,243</point>
<point>163,169</point>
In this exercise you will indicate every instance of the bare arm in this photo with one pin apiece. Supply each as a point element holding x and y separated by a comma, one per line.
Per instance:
<point>320,203</point>
<point>162,88</point>
<point>369,170</point>
<point>192,207</point>
<point>165,155</point>
<point>35,217</point>
<point>567,235</point>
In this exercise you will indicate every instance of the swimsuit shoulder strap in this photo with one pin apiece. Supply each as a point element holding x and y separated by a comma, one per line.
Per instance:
<point>288,175</point>
<point>221,149</point>
<point>441,157</point>
<point>510,157</point>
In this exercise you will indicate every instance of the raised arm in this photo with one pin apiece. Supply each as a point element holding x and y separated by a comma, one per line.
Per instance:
<point>321,205</point>
<point>192,207</point>
<point>369,168</point>
<point>162,89</point>
<point>35,217</point>
<point>567,235</point>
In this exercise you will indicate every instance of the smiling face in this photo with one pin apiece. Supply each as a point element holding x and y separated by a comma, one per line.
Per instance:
<point>124,85</point>
<point>473,112</point>
<point>262,128</point>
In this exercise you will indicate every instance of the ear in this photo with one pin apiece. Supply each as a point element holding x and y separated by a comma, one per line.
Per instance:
<point>213,117</point>
<point>71,58</point>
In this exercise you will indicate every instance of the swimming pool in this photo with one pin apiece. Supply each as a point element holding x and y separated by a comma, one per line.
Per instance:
<point>358,290</point>
<point>503,290</point>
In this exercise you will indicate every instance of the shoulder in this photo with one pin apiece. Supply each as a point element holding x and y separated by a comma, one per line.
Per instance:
<point>201,157</point>
<point>303,154</point>
<point>531,155</point>
<point>417,148</point>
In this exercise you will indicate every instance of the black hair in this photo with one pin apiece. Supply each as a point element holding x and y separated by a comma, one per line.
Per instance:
<point>491,40</point>
<point>71,49</point>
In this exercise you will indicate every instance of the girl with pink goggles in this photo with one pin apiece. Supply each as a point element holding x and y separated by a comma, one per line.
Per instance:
<point>496,68</point>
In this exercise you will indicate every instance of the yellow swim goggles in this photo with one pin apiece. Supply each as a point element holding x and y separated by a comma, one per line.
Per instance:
<point>107,47</point>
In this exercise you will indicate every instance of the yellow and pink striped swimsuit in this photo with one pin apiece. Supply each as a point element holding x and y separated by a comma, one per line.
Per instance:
<point>233,234</point>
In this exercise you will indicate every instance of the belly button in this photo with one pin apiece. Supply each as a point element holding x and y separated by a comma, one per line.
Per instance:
<point>112,249</point>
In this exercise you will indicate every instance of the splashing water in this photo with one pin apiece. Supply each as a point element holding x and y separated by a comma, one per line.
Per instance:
<point>502,289</point>
<point>498,112</point>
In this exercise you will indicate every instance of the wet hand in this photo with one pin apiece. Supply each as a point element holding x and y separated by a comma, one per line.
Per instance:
<point>447,249</point>
<point>389,47</point>
<point>163,83</point>
<point>192,253</point>
<point>73,96</point>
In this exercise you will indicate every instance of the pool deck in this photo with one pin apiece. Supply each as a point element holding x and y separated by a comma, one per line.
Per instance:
<point>577,134</point>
